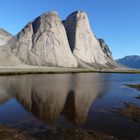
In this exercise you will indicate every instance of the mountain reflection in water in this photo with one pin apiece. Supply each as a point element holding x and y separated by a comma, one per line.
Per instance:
<point>49,96</point>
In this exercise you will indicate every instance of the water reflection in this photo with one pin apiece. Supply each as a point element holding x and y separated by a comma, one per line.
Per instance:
<point>50,96</point>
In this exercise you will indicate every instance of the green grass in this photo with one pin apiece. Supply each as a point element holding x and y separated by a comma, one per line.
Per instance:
<point>21,71</point>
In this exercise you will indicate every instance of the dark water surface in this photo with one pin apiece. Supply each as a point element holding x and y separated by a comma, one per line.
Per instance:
<point>35,103</point>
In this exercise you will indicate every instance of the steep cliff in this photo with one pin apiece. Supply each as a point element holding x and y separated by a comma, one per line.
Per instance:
<point>84,45</point>
<point>44,42</point>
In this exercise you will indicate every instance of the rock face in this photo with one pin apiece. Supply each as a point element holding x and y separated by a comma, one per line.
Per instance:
<point>44,42</point>
<point>47,41</point>
<point>6,57</point>
<point>4,36</point>
<point>105,49</point>
<point>84,45</point>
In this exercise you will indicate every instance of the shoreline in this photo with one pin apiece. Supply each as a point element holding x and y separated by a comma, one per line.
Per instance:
<point>12,133</point>
<point>57,70</point>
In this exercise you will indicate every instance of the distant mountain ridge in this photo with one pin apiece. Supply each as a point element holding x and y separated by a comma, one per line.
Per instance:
<point>132,61</point>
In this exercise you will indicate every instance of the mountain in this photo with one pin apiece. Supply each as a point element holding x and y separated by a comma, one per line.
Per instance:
<point>130,61</point>
<point>4,36</point>
<point>6,57</point>
<point>84,45</point>
<point>43,42</point>
<point>49,41</point>
<point>105,49</point>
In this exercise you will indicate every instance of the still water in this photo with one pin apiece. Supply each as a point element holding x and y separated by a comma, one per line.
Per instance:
<point>35,103</point>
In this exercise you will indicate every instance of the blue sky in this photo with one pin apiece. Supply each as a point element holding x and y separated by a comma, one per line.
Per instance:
<point>116,21</point>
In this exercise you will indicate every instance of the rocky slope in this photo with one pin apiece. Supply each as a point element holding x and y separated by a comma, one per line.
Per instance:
<point>47,41</point>
<point>105,49</point>
<point>4,36</point>
<point>132,61</point>
<point>6,56</point>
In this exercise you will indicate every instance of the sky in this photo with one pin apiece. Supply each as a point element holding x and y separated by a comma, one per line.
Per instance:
<point>116,21</point>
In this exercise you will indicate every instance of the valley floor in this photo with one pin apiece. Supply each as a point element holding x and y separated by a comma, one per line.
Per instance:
<point>53,70</point>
